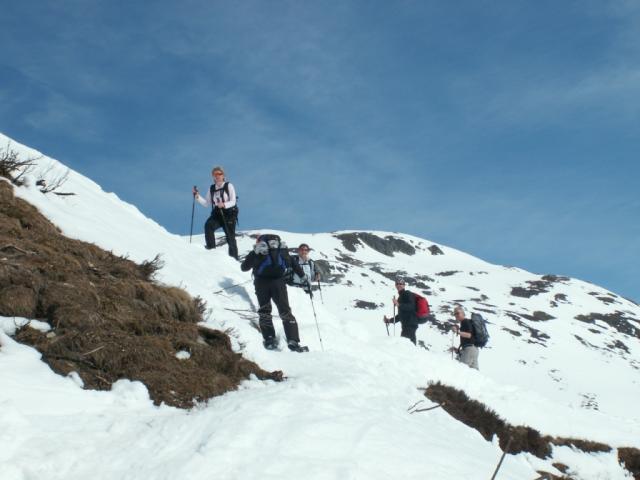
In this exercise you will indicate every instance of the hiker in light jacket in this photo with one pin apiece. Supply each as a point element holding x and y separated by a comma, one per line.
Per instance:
<point>307,265</point>
<point>221,197</point>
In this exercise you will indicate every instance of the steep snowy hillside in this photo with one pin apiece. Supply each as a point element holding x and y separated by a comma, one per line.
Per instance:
<point>563,358</point>
<point>574,341</point>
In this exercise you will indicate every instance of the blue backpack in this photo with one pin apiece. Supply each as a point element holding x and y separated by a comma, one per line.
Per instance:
<point>274,264</point>
<point>480,332</point>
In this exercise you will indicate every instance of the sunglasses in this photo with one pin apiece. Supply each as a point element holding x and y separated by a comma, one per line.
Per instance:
<point>218,174</point>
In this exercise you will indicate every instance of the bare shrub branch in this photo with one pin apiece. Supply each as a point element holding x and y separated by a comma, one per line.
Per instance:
<point>14,168</point>
<point>49,182</point>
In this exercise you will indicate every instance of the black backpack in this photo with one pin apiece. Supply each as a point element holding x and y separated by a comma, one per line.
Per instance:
<point>480,332</point>
<point>288,274</point>
<point>232,212</point>
<point>274,263</point>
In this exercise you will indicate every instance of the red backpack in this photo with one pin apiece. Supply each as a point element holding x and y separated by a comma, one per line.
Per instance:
<point>422,308</point>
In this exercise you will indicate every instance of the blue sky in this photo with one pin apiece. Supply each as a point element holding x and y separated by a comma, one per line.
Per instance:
<point>508,129</point>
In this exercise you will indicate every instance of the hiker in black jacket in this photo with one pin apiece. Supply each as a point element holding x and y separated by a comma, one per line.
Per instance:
<point>269,260</point>
<point>467,351</point>
<point>406,303</point>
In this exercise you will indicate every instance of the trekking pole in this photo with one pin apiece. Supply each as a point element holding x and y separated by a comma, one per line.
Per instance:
<point>320,289</point>
<point>314,316</point>
<point>394,319</point>
<point>193,209</point>
<point>224,224</point>
<point>452,341</point>
<point>504,454</point>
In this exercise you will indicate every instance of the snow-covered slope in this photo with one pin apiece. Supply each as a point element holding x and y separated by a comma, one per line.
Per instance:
<point>563,358</point>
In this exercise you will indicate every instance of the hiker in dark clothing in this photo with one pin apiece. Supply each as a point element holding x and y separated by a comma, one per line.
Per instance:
<point>406,303</point>
<point>467,351</point>
<point>224,211</point>
<point>269,260</point>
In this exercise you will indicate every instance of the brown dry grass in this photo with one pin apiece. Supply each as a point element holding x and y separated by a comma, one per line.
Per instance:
<point>488,423</point>
<point>630,458</point>
<point>110,321</point>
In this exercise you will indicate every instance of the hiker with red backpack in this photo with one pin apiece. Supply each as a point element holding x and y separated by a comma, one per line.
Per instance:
<point>413,310</point>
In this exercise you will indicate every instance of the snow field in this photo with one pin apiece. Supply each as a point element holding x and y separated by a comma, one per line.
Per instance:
<point>342,413</point>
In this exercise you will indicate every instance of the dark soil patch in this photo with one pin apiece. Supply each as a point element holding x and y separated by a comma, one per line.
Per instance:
<point>110,321</point>
<point>349,260</point>
<point>366,305</point>
<point>534,287</point>
<point>515,333</point>
<point>538,316</point>
<point>555,278</point>
<point>448,273</point>
<point>617,320</point>
<point>561,466</point>
<point>387,245</point>
<point>607,300</point>
<point>536,336</point>
<point>435,250</point>
<point>618,345</point>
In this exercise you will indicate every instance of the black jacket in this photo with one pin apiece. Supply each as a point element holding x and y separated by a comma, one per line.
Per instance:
<point>406,308</point>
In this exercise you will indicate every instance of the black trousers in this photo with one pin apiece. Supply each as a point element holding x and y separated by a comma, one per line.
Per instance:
<point>227,221</point>
<point>268,289</point>
<point>409,331</point>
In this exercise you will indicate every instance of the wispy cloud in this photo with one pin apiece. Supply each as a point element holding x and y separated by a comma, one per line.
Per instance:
<point>59,115</point>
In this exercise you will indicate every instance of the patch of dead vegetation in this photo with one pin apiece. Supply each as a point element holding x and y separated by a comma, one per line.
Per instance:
<point>523,438</point>
<point>109,319</point>
<point>629,458</point>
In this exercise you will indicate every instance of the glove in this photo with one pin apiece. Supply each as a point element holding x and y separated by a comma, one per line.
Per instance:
<point>261,248</point>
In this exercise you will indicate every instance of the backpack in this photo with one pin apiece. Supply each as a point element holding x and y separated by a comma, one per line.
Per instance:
<point>233,211</point>
<point>422,309</point>
<point>274,264</point>
<point>480,332</point>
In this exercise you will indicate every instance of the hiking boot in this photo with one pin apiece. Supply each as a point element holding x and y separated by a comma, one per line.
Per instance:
<point>270,343</point>
<point>294,346</point>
